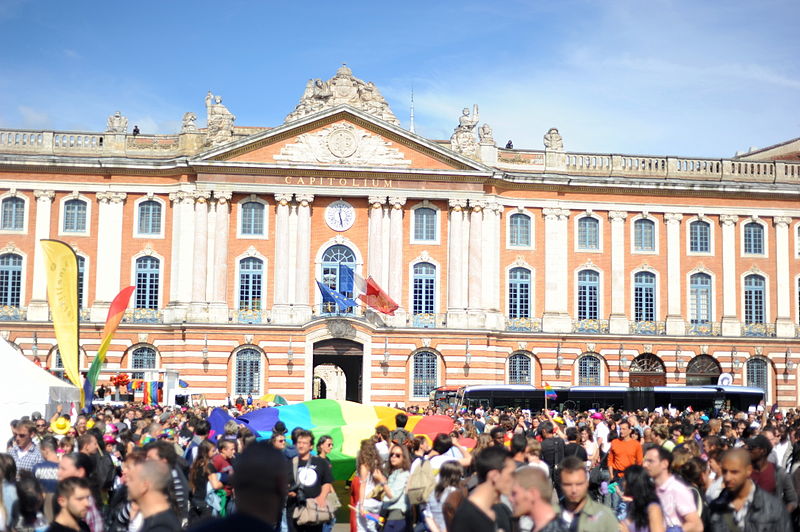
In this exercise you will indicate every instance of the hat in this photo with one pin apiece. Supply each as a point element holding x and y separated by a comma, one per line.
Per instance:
<point>36,416</point>
<point>90,423</point>
<point>60,426</point>
<point>279,428</point>
<point>704,418</point>
<point>759,442</point>
<point>108,438</point>
<point>559,420</point>
<point>597,415</point>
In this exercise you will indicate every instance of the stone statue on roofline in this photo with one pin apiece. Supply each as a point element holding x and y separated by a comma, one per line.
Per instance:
<point>485,134</point>
<point>220,121</point>
<point>463,138</point>
<point>117,123</point>
<point>553,140</point>
<point>342,89</point>
<point>188,124</point>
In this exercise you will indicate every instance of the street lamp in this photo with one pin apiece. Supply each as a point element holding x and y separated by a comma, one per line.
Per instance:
<point>467,354</point>
<point>35,346</point>
<point>790,365</point>
<point>559,358</point>
<point>290,353</point>
<point>385,350</point>
<point>205,348</point>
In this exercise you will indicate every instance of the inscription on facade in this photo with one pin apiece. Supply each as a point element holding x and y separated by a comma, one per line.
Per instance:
<point>339,181</point>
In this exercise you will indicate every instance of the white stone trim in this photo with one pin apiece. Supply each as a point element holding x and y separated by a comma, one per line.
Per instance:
<point>765,227</point>
<point>62,211</point>
<point>437,291</point>
<point>531,219</point>
<point>632,287</point>
<point>13,193</point>
<point>796,233</point>
<point>86,302</point>
<point>441,372</point>
<point>128,355</point>
<point>601,300</point>
<point>11,248</point>
<point>148,252</point>
<point>767,293</point>
<point>712,236</point>
<point>254,253</point>
<point>230,387</point>
<point>770,395</point>
<point>688,290</point>
<point>437,226</point>
<point>520,263</point>
<point>656,234</point>
<point>239,204</point>
<point>587,214</point>
<point>164,207</point>
<point>576,367</point>
<point>534,361</point>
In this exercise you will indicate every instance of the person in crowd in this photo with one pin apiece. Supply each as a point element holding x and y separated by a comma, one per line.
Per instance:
<point>394,488</point>
<point>29,510</point>
<point>8,477</point>
<point>222,461</point>
<point>589,445</point>
<point>80,465</point>
<point>382,443</point>
<point>278,441</point>
<point>324,447</point>
<point>677,502</point>
<point>311,479</point>
<point>531,493</point>
<point>368,464</point>
<point>643,509</point>
<point>24,451</point>
<point>163,451</point>
<point>121,515</point>
<point>482,511</point>
<point>533,455</point>
<point>519,443</point>
<point>742,505</point>
<point>74,501</point>
<point>400,434</point>
<point>573,447</point>
<point>576,504</point>
<point>201,430</point>
<point>451,477</point>
<point>623,452</point>
<point>770,477</point>
<point>601,432</point>
<point>202,476</point>
<point>148,485</point>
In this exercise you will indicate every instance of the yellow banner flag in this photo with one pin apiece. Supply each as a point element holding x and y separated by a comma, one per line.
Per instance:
<point>61,265</point>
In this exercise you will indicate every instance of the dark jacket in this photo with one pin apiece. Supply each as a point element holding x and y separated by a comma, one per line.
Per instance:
<point>766,514</point>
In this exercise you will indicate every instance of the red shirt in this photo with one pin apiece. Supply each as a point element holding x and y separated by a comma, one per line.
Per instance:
<point>766,478</point>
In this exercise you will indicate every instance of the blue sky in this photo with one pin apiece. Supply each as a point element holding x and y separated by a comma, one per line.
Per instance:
<point>644,77</point>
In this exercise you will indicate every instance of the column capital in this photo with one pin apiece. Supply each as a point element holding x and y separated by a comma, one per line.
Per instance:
<point>182,196</point>
<point>728,219</point>
<point>673,217</point>
<point>782,221</point>
<point>223,197</point>
<point>477,205</point>
<point>397,202</point>
<point>553,214</point>
<point>201,196</point>
<point>457,204</point>
<point>283,198</point>
<point>45,196</point>
<point>617,216</point>
<point>494,207</point>
<point>111,197</point>
<point>376,202</point>
<point>304,199</point>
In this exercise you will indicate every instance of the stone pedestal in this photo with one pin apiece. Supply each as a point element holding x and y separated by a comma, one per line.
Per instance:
<point>301,314</point>
<point>784,328</point>
<point>197,312</point>
<point>457,319</point>
<point>99,311</point>
<point>676,326</point>
<point>282,314</point>
<point>495,320</point>
<point>556,322</point>
<point>731,326</point>
<point>618,324</point>
<point>218,313</point>
<point>175,313</point>
<point>38,310</point>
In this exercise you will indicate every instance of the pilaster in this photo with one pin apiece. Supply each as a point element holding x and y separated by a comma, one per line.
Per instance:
<point>731,325</point>
<point>456,302</point>
<point>198,309</point>
<point>280,310</point>
<point>491,290</point>
<point>302,305</point>
<point>555,317</point>
<point>375,249</point>
<point>218,309</point>
<point>675,322</point>
<point>182,269</point>
<point>108,262</point>
<point>783,323</point>
<point>618,321</point>
<point>38,307</point>
<point>396,262</point>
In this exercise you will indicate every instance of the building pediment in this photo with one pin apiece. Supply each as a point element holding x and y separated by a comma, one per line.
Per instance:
<point>342,137</point>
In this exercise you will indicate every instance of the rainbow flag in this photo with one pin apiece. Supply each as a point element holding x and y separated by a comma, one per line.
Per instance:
<point>549,393</point>
<point>151,392</point>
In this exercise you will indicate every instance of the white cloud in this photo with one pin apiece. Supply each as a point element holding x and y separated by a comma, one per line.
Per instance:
<point>33,118</point>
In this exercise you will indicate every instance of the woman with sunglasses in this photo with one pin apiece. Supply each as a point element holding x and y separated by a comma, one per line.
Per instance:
<point>394,489</point>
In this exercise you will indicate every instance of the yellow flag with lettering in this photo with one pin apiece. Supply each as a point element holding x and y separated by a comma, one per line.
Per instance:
<point>61,264</point>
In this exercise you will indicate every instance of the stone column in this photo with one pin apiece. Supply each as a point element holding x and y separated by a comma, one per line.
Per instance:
<point>292,266</point>
<point>556,277</point>
<point>37,306</point>
<point>375,251</point>
<point>491,257</point>
<point>396,262</point>
<point>475,262</point>
<point>280,309</point>
<point>175,201</point>
<point>618,321</point>
<point>198,309</point>
<point>386,239</point>
<point>302,307</point>
<point>456,300</point>
<point>783,286</point>
<point>676,326</point>
<point>730,289</point>
<point>108,262</point>
<point>218,310</point>
<point>182,270</point>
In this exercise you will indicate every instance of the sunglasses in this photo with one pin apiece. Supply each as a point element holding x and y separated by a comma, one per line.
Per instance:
<point>397,455</point>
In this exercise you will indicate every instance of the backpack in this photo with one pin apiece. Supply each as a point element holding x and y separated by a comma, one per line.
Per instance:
<point>399,436</point>
<point>421,483</point>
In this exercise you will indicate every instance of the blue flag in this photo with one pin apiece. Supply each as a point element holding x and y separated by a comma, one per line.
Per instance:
<point>345,279</point>
<point>332,296</point>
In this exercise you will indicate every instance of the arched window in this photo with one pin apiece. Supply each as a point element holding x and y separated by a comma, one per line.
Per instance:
<point>520,230</point>
<point>588,295</point>
<point>424,224</point>
<point>252,218</point>
<point>142,358</point>
<point>424,289</point>
<point>644,296</point>
<point>699,237</point>
<point>338,265</point>
<point>251,272</point>
<point>13,214</point>
<point>81,272</point>
<point>519,293</point>
<point>588,233</point>
<point>150,218</point>
<point>589,371</point>
<point>702,370</point>
<point>644,235</point>
<point>147,279</point>
<point>700,298</point>
<point>10,280</point>
<point>757,373</point>
<point>425,373</point>
<point>519,369</point>
<point>754,238</point>
<point>754,311</point>
<point>248,372</point>
<point>75,216</point>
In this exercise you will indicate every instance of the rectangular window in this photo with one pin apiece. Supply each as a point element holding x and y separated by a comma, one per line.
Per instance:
<point>588,233</point>
<point>699,237</point>
<point>424,224</point>
<point>423,295</point>
<point>645,235</point>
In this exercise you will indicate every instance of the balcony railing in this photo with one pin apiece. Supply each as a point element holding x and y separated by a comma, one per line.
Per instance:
<point>647,327</point>
<point>427,320</point>
<point>590,326</point>
<point>524,324</point>
<point>143,315</point>
<point>12,313</point>
<point>758,329</point>
<point>331,309</point>
<point>703,329</point>
<point>250,316</point>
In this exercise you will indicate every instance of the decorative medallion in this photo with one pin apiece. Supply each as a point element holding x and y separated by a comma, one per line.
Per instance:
<point>342,143</point>
<point>341,329</point>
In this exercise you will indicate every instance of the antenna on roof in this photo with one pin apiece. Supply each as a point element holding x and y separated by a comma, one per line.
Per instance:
<point>412,111</point>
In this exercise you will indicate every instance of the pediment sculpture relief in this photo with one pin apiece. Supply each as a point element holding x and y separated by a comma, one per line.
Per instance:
<point>342,144</point>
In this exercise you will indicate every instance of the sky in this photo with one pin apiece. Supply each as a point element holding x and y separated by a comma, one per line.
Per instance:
<point>659,77</point>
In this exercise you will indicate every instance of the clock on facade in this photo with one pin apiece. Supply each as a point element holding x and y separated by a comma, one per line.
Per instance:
<point>340,215</point>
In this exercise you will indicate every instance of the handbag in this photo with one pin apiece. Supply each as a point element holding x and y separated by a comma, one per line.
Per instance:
<point>309,512</point>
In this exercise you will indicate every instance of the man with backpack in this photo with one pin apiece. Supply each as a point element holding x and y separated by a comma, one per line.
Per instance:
<point>400,435</point>
<point>552,450</point>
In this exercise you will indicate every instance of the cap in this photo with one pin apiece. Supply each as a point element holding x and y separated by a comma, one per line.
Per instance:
<point>279,428</point>
<point>36,416</point>
<point>597,415</point>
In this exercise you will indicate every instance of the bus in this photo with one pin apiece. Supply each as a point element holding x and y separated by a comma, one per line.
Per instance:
<point>443,396</point>
<point>581,398</point>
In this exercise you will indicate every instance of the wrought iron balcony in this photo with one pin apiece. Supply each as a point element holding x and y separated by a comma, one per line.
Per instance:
<point>758,329</point>
<point>143,315</point>
<point>332,309</point>
<point>12,313</point>
<point>705,328</point>
<point>524,324</point>
<point>590,326</point>
<point>251,316</point>
<point>647,327</point>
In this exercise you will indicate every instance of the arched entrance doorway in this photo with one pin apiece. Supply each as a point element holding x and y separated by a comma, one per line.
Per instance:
<point>647,370</point>
<point>344,355</point>
<point>330,382</point>
<point>702,370</point>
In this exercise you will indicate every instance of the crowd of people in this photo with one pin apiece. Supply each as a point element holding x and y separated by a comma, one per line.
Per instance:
<point>146,469</point>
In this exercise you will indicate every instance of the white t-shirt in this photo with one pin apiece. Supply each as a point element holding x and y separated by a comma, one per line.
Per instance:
<point>383,451</point>
<point>601,432</point>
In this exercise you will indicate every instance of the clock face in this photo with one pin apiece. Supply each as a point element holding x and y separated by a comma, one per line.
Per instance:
<point>340,215</point>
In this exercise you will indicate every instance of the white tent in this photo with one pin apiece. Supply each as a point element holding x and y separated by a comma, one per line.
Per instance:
<point>25,388</point>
